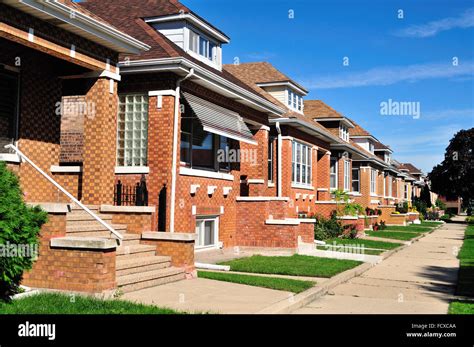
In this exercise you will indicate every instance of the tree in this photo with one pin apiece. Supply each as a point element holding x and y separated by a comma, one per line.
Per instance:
<point>19,229</point>
<point>454,177</point>
<point>425,195</point>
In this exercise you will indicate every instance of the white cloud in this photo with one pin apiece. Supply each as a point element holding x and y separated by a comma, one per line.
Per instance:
<point>452,114</point>
<point>465,20</point>
<point>383,76</point>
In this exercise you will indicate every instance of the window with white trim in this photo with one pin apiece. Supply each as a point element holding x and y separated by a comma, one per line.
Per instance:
<point>301,163</point>
<point>270,159</point>
<point>405,193</point>
<point>344,132</point>
<point>202,45</point>
<point>132,130</point>
<point>371,147</point>
<point>373,181</point>
<point>347,175</point>
<point>207,230</point>
<point>389,190</point>
<point>294,100</point>
<point>356,180</point>
<point>333,173</point>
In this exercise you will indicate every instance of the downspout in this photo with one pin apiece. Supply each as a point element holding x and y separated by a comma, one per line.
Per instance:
<point>277,125</point>
<point>175,146</point>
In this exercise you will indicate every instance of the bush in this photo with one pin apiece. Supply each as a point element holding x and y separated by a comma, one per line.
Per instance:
<point>432,215</point>
<point>19,225</point>
<point>440,204</point>
<point>470,220</point>
<point>383,226</point>
<point>402,207</point>
<point>350,231</point>
<point>327,228</point>
<point>445,217</point>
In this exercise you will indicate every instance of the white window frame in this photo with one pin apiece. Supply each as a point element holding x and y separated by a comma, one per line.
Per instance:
<point>347,175</point>
<point>335,173</point>
<point>389,192</point>
<point>357,180</point>
<point>211,56</point>
<point>373,181</point>
<point>202,220</point>
<point>143,142</point>
<point>405,192</point>
<point>294,101</point>
<point>306,151</point>
<point>270,159</point>
<point>344,132</point>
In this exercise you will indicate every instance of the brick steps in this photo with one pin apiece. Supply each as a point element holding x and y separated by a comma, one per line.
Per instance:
<point>137,265</point>
<point>137,281</point>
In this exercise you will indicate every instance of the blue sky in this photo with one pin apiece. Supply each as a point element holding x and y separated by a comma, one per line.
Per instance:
<point>408,59</point>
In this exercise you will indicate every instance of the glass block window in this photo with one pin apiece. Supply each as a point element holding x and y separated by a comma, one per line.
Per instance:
<point>132,130</point>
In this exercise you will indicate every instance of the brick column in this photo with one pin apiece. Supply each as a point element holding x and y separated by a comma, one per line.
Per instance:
<point>160,152</point>
<point>100,144</point>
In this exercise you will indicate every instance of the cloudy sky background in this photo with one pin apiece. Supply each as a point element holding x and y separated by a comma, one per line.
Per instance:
<point>409,59</point>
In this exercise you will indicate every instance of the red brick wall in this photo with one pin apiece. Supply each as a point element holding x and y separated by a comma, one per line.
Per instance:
<point>181,252</point>
<point>69,269</point>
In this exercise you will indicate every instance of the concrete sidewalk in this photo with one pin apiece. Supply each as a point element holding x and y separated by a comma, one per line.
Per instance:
<point>201,295</point>
<point>418,279</point>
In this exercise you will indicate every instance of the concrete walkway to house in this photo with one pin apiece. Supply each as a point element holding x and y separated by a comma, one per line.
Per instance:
<point>418,279</point>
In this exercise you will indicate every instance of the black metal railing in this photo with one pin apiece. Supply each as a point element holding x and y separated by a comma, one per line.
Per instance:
<point>131,195</point>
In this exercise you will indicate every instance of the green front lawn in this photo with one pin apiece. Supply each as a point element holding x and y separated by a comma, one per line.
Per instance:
<point>296,265</point>
<point>286,284</point>
<point>359,242</point>
<point>466,268</point>
<point>429,224</point>
<point>409,228</point>
<point>404,236</point>
<point>49,303</point>
<point>461,307</point>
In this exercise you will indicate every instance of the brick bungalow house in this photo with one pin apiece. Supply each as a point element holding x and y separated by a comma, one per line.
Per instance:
<point>162,149</point>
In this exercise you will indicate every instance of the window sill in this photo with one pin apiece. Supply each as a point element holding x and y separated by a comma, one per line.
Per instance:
<point>10,158</point>
<point>132,169</point>
<point>301,186</point>
<point>185,171</point>
<point>271,184</point>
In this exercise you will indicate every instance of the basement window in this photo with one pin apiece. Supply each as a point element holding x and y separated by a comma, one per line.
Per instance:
<point>207,230</point>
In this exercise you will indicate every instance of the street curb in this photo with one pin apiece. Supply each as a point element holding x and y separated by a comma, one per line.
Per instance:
<point>302,299</point>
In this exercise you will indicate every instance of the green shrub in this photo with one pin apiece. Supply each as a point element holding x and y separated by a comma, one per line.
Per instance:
<point>382,226</point>
<point>440,204</point>
<point>327,228</point>
<point>470,220</point>
<point>402,207</point>
<point>19,226</point>
<point>445,217</point>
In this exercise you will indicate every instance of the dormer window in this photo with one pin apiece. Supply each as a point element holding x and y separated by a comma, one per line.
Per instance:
<point>203,46</point>
<point>294,101</point>
<point>344,132</point>
<point>388,158</point>
<point>194,35</point>
<point>371,147</point>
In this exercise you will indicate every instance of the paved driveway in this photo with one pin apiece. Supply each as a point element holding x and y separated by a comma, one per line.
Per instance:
<point>418,279</point>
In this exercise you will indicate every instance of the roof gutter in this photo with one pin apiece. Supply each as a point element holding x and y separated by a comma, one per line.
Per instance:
<point>86,23</point>
<point>183,65</point>
<point>312,129</point>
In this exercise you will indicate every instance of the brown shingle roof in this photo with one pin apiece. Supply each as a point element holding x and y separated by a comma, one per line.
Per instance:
<point>379,145</point>
<point>127,15</point>
<point>357,130</point>
<point>410,167</point>
<point>318,109</point>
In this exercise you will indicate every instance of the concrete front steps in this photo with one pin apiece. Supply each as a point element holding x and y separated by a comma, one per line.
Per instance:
<point>137,266</point>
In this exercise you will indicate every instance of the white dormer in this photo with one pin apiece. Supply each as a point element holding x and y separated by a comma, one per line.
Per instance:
<point>196,37</point>
<point>388,157</point>
<point>287,92</point>
<point>365,142</point>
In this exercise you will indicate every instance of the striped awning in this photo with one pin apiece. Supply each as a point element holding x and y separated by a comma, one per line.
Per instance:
<point>219,120</point>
